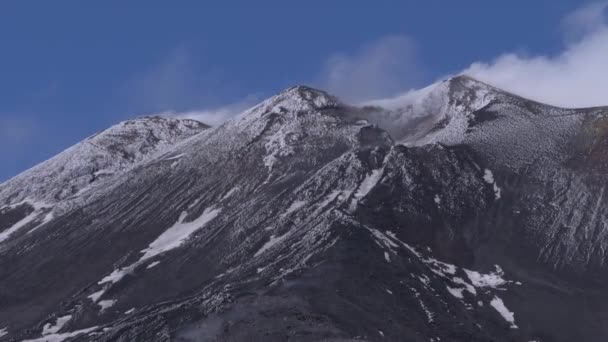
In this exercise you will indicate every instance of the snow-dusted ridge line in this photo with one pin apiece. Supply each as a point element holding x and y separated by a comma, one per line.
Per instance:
<point>98,158</point>
<point>302,216</point>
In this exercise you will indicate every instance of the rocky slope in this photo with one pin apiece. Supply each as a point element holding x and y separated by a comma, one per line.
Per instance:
<point>455,213</point>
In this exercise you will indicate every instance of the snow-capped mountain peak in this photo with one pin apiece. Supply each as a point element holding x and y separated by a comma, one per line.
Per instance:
<point>457,212</point>
<point>296,99</point>
<point>103,155</point>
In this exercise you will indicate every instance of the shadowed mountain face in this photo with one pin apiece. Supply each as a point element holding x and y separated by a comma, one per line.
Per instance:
<point>455,213</point>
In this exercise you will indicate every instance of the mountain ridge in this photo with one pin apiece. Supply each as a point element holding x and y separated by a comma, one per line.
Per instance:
<point>303,219</point>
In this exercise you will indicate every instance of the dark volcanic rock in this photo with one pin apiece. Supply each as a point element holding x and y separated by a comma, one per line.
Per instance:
<point>463,214</point>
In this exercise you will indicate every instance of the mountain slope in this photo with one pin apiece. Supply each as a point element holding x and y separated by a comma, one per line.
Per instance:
<point>34,197</point>
<point>466,214</point>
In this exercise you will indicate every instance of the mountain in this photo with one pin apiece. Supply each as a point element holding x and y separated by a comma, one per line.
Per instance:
<point>458,212</point>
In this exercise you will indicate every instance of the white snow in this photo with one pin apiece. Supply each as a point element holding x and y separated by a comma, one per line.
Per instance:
<point>493,280</point>
<point>329,198</point>
<point>437,199</point>
<point>153,264</point>
<point>230,193</point>
<point>441,268</point>
<point>388,291</point>
<point>129,311</point>
<point>447,271</point>
<point>61,337</point>
<point>3,332</point>
<point>277,146</point>
<point>455,292</point>
<point>62,180</point>
<point>115,276</point>
<point>175,157</point>
<point>424,279</point>
<point>380,237</point>
<point>32,217</point>
<point>176,235</point>
<point>429,315</point>
<point>499,306</point>
<point>23,222</point>
<point>103,173</point>
<point>488,177</point>
<point>49,328</point>
<point>497,191</point>
<point>95,296</point>
<point>273,241</point>
<point>295,206</point>
<point>387,257</point>
<point>47,218</point>
<point>108,303</point>
<point>369,183</point>
<point>170,239</point>
<point>466,285</point>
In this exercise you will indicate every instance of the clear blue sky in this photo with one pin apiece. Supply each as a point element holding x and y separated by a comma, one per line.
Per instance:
<point>71,68</point>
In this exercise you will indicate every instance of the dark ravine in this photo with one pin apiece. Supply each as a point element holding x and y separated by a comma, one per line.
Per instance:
<point>455,213</point>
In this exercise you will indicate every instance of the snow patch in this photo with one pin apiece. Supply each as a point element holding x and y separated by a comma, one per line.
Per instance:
<point>455,292</point>
<point>129,311</point>
<point>176,235</point>
<point>499,306</point>
<point>387,257</point>
<point>49,328</point>
<point>95,296</point>
<point>488,177</point>
<point>276,147</point>
<point>429,315</point>
<point>174,157</point>
<point>152,265</point>
<point>467,286</point>
<point>103,173</point>
<point>369,183</point>
<point>47,218</point>
<point>31,217</point>
<point>493,280</point>
<point>61,337</point>
<point>273,241</point>
<point>329,198</point>
<point>437,200</point>
<point>295,206</point>
<point>3,332</point>
<point>170,239</point>
<point>105,304</point>
<point>231,192</point>
<point>114,277</point>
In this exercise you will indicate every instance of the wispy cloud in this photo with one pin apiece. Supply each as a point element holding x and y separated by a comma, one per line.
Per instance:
<point>177,86</point>
<point>175,81</point>
<point>575,77</point>
<point>16,129</point>
<point>585,20</point>
<point>218,115</point>
<point>379,69</point>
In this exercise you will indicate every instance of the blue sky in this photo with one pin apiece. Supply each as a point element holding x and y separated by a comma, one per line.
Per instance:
<point>71,68</point>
